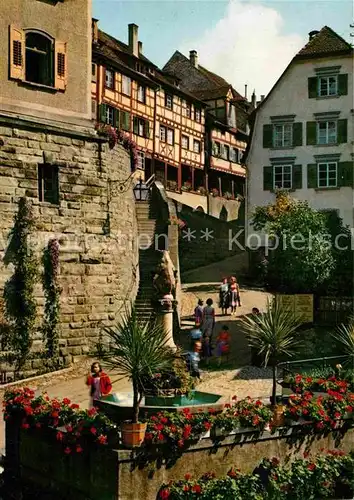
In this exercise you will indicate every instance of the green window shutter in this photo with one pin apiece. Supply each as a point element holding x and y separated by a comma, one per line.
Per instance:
<point>312,175</point>
<point>267,136</point>
<point>147,129</point>
<point>135,125</point>
<point>342,131</point>
<point>102,113</point>
<point>342,84</point>
<point>311,133</point>
<point>297,134</point>
<point>116,118</point>
<point>346,174</point>
<point>297,177</point>
<point>125,120</point>
<point>312,86</point>
<point>268,179</point>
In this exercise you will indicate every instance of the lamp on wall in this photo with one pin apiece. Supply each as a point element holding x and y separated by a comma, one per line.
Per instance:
<point>141,191</point>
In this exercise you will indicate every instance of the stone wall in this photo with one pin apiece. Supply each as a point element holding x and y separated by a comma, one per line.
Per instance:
<point>95,224</point>
<point>116,474</point>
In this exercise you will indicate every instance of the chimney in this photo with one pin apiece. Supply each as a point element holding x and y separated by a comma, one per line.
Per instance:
<point>246,91</point>
<point>94,30</point>
<point>140,48</point>
<point>133,39</point>
<point>312,34</point>
<point>262,97</point>
<point>193,57</point>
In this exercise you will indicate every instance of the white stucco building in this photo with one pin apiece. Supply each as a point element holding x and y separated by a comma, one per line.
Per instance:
<point>302,137</point>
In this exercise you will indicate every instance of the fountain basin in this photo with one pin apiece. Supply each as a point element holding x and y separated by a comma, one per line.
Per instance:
<point>118,407</point>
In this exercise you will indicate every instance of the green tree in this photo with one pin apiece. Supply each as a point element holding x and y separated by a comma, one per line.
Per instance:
<point>19,289</point>
<point>136,350</point>
<point>301,259</point>
<point>272,335</point>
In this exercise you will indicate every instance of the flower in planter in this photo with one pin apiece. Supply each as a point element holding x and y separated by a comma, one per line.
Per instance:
<point>215,192</point>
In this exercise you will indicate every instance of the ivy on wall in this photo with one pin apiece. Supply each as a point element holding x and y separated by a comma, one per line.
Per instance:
<point>20,305</point>
<point>51,288</point>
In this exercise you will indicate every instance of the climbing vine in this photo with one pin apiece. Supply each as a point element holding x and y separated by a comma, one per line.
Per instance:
<point>116,136</point>
<point>52,298</point>
<point>20,305</point>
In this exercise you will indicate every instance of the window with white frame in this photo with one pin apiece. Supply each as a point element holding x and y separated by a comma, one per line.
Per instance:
<point>141,160</point>
<point>196,146</point>
<point>185,142</point>
<point>327,132</point>
<point>110,115</point>
<point>170,136</point>
<point>109,79</point>
<point>197,114</point>
<point>126,85</point>
<point>163,133</point>
<point>282,135</point>
<point>282,176</point>
<point>327,174</point>
<point>327,86</point>
<point>141,93</point>
<point>168,101</point>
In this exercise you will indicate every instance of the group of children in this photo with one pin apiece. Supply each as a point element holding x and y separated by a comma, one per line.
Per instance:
<point>202,337</point>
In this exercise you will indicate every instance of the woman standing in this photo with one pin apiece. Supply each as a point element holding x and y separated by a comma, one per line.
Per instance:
<point>99,382</point>
<point>208,318</point>
<point>234,295</point>
<point>198,313</point>
<point>224,296</point>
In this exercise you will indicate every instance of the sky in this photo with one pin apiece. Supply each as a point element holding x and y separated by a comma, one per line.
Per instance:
<point>247,42</point>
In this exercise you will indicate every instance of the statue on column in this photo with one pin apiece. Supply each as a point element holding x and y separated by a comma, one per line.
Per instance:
<point>165,280</point>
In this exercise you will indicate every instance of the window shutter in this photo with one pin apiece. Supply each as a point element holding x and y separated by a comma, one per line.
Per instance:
<point>268,179</point>
<point>267,136</point>
<point>147,129</point>
<point>312,86</point>
<point>102,113</point>
<point>312,175</point>
<point>342,84</point>
<point>135,125</point>
<point>341,131</point>
<point>346,174</point>
<point>17,53</point>
<point>311,133</point>
<point>125,120</point>
<point>116,118</point>
<point>297,177</point>
<point>61,71</point>
<point>297,134</point>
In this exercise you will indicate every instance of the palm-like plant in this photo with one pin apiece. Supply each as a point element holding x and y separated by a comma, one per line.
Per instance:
<point>137,350</point>
<point>345,336</point>
<point>272,334</point>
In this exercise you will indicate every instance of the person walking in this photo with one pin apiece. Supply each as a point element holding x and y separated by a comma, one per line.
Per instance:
<point>235,299</point>
<point>198,313</point>
<point>99,382</point>
<point>224,296</point>
<point>223,343</point>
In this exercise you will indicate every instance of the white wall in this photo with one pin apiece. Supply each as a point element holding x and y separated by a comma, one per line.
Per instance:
<point>290,97</point>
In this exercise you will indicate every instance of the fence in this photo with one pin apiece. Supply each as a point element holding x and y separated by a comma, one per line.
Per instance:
<point>333,310</point>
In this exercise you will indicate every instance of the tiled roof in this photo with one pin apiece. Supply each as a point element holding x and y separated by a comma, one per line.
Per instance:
<point>200,81</point>
<point>324,42</point>
<point>117,46</point>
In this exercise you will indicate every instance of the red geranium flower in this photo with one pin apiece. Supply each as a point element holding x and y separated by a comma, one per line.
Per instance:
<point>165,494</point>
<point>196,488</point>
<point>180,443</point>
<point>187,431</point>
<point>91,412</point>
<point>164,420</point>
<point>74,406</point>
<point>78,449</point>
<point>187,476</point>
<point>25,425</point>
<point>66,401</point>
<point>311,466</point>
<point>207,425</point>
<point>59,436</point>
<point>102,439</point>
<point>93,430</point>
<point>67,450</point>
<point>69,428</point>
<point>275,461</point>
<point>186,487</point>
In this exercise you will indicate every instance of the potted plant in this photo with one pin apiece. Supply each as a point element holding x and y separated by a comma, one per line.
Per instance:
<point>137,350</point>
<point>272,334</point>
<point>201,190</point>
<point>187,186</point>
<point>215,192</point>
<point>228,195</point>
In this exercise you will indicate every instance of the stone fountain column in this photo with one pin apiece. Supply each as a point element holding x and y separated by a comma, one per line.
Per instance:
<point>165,318</point>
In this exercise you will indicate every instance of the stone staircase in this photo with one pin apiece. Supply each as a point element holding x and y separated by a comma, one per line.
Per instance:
<point>148,259</point>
